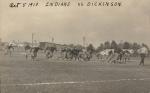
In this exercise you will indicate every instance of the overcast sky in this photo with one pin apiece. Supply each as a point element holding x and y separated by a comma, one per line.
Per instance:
<point>130,22</point>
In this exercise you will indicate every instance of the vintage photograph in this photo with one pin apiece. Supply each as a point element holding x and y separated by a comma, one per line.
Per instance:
<point>74,46</point>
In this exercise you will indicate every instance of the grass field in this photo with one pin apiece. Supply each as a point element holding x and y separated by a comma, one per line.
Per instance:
<point>19,75</point>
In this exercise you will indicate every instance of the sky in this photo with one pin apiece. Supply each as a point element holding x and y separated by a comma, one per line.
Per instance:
<point>67,25</point>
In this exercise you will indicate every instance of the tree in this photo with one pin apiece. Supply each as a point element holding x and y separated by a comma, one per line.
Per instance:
<point>126,45</point>
<point>120,45</point>
<point>100,48</point>
<point>114,45</point>
<point>90,48</point>
<point>107,45</point>
<point>145,46</point>
<point>135,46</point>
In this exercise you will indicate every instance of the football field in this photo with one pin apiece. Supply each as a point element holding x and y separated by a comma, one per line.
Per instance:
<point>19,75</point>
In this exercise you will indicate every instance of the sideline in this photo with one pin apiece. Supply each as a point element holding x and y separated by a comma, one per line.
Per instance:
<point>74,82</point>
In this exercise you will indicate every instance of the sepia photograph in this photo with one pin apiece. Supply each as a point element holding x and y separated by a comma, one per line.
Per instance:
<point>74,46</point>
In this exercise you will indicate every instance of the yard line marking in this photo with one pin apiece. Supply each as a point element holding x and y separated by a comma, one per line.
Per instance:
<point>74,82</point>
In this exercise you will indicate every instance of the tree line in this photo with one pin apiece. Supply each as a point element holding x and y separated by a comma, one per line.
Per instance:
<point>114,45</point>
